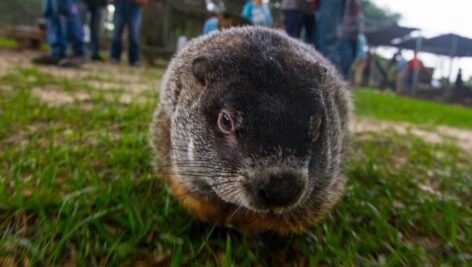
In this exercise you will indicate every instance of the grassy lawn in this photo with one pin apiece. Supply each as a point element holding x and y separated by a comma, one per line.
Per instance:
<point>7,43</point>
<point>77,189</point>
<point>388,106</point>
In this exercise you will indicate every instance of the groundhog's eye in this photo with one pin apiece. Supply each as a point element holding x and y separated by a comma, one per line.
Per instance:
<point>225,122</point>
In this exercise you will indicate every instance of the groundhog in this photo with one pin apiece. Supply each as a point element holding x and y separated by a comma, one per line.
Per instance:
<point>252,130</point>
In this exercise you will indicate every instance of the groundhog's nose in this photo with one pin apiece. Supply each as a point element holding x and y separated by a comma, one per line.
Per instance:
<point>278,190</point>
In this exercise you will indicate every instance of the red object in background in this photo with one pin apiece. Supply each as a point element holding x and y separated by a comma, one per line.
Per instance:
<point>41,26</point>
<point>313,4</point>
<point>414,63</point>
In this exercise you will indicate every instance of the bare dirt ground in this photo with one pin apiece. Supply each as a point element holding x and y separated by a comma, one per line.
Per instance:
<point>129,83</point>
<point>134,82</point>
<point>436,135</point>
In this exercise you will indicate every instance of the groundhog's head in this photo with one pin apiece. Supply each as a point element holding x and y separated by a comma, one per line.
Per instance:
<point>255,136</point>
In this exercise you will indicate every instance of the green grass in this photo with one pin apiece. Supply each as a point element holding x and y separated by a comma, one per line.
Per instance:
<point>7,43</point>
<point>391,107</point>
<point>76,187</point>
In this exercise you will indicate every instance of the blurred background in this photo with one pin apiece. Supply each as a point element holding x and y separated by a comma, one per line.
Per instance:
<point>394,32</point>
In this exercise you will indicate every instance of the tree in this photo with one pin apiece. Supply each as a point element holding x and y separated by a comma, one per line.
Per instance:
<point>376,15</point>
<point>23,12</point>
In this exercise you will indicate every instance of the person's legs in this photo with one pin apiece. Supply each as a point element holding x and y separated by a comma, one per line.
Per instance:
<point>344,56</point>
<point>95,28</point>
<point>118,23</point>
<point>134,25</point>
<point>358,67</point>
<point>308,22</point>
<point>75,35</point>
<point>56,38</point>
<point>328,18</point>
<point>292,21</point>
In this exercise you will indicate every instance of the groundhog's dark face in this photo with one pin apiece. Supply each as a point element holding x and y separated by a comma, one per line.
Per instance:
<point>264,121</point>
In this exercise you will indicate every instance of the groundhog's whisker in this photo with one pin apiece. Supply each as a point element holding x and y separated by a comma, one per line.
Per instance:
<point>212,186</point>
<point>201,163</point>
<point>190,193</point>
<point>234,213</point>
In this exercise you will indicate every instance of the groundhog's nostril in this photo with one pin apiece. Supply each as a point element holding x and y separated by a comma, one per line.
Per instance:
<point>280,190</point>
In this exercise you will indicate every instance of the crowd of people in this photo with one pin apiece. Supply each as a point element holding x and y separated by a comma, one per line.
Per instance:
<point>333,27</point>
<point>65,21</point>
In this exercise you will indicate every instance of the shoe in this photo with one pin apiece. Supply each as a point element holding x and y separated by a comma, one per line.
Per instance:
<point>97,58</point>
<point>46,60</point>
<point>73,61</point>
<point>114,61</point>
<point>136,64</point>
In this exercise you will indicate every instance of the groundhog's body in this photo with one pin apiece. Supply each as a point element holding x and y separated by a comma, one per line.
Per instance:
<point>252,129</point>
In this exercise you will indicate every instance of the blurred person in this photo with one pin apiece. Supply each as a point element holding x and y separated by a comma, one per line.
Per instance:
<point>392,69</point>
<point>94,8</point>
<point>400,77</point>
<point>348,34</point>
<point>127,13</point>
<point>211,24</point>
<point>459,83</point>
<point>413,65</point>
<point>293,16</point>
<point>63,28</point>
<point>359,61</point>
<point>223,20</point>
<point>329,16</point>
<point>257,13</point>
<point>366,70</point>
<point>308,21</point>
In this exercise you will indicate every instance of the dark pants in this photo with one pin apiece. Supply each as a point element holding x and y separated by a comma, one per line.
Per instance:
<point>126,14</point>
<point>328,18</point>
<point>344,55</point>
<point>63,27</point>
<point>95,26</point>
<point>293,22</point>
<point>308,27</point>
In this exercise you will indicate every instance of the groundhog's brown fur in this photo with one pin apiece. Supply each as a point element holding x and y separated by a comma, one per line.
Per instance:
<point>288,110</point>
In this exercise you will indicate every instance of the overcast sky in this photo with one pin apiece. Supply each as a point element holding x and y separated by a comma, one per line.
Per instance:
<point>436,17</point>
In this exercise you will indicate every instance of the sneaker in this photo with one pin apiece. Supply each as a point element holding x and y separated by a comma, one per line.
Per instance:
<point>114,61</point>
<point>73,61</point>
<point>46,60</point>
<point>136,64</point>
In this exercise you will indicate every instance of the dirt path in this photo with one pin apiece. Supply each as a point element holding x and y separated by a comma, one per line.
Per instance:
<point>126,82</point>
<point>463,137</point>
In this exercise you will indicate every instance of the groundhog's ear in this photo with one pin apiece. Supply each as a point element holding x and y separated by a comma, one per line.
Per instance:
<point>320,74</point>
<point>201,69</point>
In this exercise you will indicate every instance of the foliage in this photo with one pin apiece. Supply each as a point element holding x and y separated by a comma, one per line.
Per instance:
<point>24,12</point>
<point>8,43</point>
<point>77,188</point>
<point>377,15</point>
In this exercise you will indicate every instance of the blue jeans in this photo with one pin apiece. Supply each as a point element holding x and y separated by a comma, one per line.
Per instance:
<point>293,22</point>
<point>63,27</point>
<point>328,18</point>
<point>344,55</point>
<point>129,14</point>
